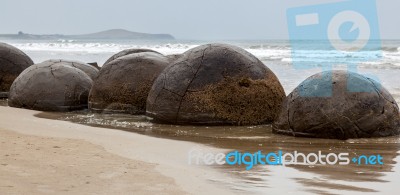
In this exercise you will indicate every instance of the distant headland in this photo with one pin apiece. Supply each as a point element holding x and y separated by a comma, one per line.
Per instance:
<point>108,34</point>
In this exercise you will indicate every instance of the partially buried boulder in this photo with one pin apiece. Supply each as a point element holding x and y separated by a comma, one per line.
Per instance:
<point>127,52</point>
<point>90,70</point>
<point>124,83</point>
<point>12,62</point>
<point>339,105</point>
<point>53,86</point>
<point>216,84</point>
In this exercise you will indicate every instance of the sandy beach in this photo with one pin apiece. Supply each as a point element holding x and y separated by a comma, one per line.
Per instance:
<point>41,156</point>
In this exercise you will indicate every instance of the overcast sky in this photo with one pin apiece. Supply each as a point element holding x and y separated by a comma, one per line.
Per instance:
<point>184,19</point>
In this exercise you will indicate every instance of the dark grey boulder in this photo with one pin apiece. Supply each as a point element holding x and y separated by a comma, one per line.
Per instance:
<point>91,71</point>
<point>124,83</point>
<point>48,86</point>
<point>339,105</point>
<point>215,84</point>
<point>12,62</point>
<point>127,52</point>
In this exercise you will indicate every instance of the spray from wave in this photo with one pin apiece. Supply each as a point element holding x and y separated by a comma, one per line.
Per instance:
<point>279,52</point>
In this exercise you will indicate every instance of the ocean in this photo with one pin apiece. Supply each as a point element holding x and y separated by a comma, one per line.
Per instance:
<point>277,55</point>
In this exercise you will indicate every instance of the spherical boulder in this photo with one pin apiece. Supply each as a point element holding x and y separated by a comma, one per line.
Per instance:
<point>12,62</point>
<point>127,52</point>
<point>124,83</point>
<point>90,70</point>
<point>215,84</point>
<point>339,105</point>
<point>48,86</point>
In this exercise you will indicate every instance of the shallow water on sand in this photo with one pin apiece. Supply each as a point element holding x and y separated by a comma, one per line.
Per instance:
<point>321,179</point>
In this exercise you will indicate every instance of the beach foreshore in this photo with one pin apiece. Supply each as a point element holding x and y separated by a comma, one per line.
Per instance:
<point>39,156</point>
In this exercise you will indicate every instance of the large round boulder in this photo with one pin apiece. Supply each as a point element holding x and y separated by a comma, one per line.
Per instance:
<point>339,105</point>
<point>90,70</point>
<point>12,62</point>
<point>54,86</point>
<point>124,83</point>
<point>215,84</point>
<point>127,52</point>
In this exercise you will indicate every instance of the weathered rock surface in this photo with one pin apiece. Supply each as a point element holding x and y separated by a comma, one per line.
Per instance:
<point>215,84</point>
<point>124,83</point>
<point>56,86</point>
<point>12,62</point>
<point>174,57</point>
<point>91,71</point>
<point>94,64</point>
<point>127,52</point>
<point>323,106</point>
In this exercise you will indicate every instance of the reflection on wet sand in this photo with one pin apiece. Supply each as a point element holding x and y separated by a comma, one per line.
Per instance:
<point>320,179</point>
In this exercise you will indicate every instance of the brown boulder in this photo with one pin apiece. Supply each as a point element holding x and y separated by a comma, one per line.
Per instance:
<point>215,84</point>
<point>124,83</point>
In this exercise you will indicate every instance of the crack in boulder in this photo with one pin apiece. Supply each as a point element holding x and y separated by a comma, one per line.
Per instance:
<point>340,115</point>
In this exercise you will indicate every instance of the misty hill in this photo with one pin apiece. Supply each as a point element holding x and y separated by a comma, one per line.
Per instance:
<point>122,34</point>
<point>108,34</point>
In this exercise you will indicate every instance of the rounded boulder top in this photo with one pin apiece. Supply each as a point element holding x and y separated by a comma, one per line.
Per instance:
<point>12,62</point>
<point>127,52</point>
<point>51,87</point>
<point>90,70</point>
<point>124,83</point>
<point>215,84</point>
<point>339,105</point>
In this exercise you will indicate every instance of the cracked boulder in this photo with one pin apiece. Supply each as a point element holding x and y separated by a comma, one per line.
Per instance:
<point>127,52</point>
<point>339,105</point>
<point>215,84</point>
<point>90,70</point>
<point>55,86</point>
<point>12,62</point>
<point>124,83</point>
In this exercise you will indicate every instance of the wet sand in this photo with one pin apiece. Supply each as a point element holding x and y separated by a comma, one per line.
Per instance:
<point>299,179</point>
<point>164,149</point>
<point>40,156</point>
